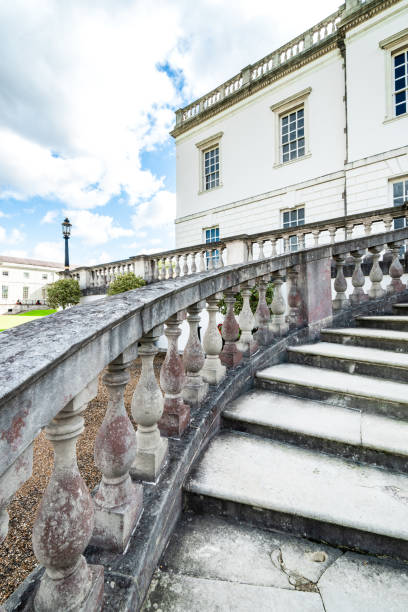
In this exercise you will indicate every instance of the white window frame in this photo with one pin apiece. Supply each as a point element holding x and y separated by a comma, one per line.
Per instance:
<point>4,292</point>
<point>203,147</point>
<point>392,46</point>
<point>215,255</point>
<point>5,272</point>
<point>293,243</point>
<point>24,291</point>
<point>44,276</point>
<point>26,274</point>
<point>281,109</point>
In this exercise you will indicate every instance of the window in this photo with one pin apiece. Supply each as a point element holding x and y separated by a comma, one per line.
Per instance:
<point>5,273</point>
<point>210,162</point>
<point>396,74</point>
<point>399,196</point>
<point>400,82</point>
<point>291,137</point>
<point>212,168</point>
<point>26,275</point>
<point>293,218</point>
<point>25,293</point>
<point>212,234</point>
<point>44,276</point>
<point>4,291</point>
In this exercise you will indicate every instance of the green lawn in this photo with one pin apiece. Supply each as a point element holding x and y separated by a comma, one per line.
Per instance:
<point>9,321</point>
<point>37,313</point>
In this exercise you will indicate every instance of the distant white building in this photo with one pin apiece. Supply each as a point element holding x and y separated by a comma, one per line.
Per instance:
<point>316,130</point>
<point>25,280</point>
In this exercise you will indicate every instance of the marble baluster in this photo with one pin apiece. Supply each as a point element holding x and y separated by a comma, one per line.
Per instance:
<point>65,522</point>
<point>358,279</point>
<point>176,415</point>
<point>340,284</point>
<point>376,274</point>
<point>294,298</point>
<point>213,371</point>
<point>263,335</point>
<point>147,410</point>
<point>396,270</point>
<point>230,356</point>
<point>246,320</point>
<point>118,501</point>
<point>278,325</point>
<point>195,388</point>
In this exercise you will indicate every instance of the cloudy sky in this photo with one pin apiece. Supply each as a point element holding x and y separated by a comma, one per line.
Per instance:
<point>88,90</point>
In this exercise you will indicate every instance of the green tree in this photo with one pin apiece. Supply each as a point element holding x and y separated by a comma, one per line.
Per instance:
<point>126,282</point>
<point>64,292</point>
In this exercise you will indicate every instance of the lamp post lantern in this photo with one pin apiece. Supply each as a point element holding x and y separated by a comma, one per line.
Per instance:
<point>66,232</point>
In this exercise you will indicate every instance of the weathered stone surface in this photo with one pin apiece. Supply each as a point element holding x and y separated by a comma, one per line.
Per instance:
<point>178,593</point>
<point>176,414</point>
<point>356,583</point>
<point>230,355</point>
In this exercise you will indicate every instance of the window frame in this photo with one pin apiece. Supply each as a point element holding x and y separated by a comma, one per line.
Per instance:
<point>5,273</point>
<point>280,110</point>
<point>393,45</point>
<point>203,147</point>
<point>26,290</point>
<point>215,256</point>
<point>293,244</point>
<point>4,292</point>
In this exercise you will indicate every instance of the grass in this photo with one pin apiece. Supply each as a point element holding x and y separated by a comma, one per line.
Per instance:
<point>37,313</point>
<point>9,321</point>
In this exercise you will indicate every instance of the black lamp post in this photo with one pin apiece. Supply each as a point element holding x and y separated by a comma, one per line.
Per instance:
<point>66,232</point>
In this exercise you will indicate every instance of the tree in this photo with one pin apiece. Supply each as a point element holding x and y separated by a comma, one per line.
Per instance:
<point>126,282</point>
<point>64,292</point>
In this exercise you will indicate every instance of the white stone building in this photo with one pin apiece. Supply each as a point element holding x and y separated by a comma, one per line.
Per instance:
<point>316,130</point>
<point>25,280</point>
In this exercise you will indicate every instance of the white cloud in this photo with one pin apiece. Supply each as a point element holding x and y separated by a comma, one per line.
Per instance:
<point>49,251</point>
<point>15,236</point>
<point>94,228</point>
<point>50,216</point>
<point>15,253</point>
<point>159,211</point>
<point>85,93</point>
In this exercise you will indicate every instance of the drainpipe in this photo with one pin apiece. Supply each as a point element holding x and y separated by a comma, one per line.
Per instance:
<point>342,47</point>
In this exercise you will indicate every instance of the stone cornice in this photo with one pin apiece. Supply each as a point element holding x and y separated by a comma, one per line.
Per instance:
<point>331,42</point>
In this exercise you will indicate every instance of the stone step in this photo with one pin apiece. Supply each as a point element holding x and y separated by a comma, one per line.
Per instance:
<point>308,493</point>
<point>392,322</point>
<point>344,432</point>
<point>368,394</point>
<point>387,340</point>
<point>352,359</point>
<point>400,309</point>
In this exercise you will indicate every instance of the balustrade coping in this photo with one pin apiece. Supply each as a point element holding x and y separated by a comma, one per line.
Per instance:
<point>362,11</point>
<point>47,363</point>
<point>337,222</point>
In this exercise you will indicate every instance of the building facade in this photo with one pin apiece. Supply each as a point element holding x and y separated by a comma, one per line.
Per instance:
<point>25,280</point>
<point>316,130</point>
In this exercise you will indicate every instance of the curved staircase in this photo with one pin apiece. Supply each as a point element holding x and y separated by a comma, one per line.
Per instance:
<point>318,449</point>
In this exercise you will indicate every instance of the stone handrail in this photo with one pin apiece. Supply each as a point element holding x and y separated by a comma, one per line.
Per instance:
<point>235,249</point>
<point>49,371</point>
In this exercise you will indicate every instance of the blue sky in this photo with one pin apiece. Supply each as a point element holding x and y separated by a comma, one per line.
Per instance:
<point>87,98</point>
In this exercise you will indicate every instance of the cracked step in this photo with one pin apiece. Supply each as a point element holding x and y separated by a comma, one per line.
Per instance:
<point>352,359</point>
<point>305,492</point>
<point>394,322</point>
<point>368,394</point>
<point>344,432</point>
<point>388,340</point>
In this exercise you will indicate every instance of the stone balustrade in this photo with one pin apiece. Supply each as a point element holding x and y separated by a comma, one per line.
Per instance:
<point>237,249</point>
<point>322,32</point>
<point>49,371</point>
